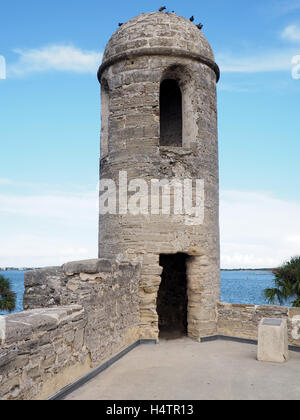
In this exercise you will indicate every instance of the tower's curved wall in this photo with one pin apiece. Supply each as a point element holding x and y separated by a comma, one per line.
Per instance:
<point>140,55</point>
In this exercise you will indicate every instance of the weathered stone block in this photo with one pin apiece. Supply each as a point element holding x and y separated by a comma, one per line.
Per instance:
<point>273,340</point>
<point>88,267</point>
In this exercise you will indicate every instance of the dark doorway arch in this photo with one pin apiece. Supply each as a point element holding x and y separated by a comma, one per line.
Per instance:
<point>172,298</point>
<point>170,113</point>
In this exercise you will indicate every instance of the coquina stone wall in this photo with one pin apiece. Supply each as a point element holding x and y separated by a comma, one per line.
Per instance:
<point>242,320</point>
<point>77,316</point>
<point>41,351</point>
<point>143,52</point>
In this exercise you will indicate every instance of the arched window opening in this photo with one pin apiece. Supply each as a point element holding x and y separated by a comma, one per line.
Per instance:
<point>170,114</point>
<point>104,118</point>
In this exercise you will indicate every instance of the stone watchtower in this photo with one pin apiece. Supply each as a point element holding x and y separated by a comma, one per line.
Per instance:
<point>159,122</point>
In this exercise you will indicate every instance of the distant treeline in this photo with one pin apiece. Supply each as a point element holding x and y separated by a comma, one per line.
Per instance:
<point>247,269</point>
<point>17,269</point>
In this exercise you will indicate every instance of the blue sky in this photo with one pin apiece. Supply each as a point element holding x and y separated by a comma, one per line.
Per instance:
<point>50,125</point>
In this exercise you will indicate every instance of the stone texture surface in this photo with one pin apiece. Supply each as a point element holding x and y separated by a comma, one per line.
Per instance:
<point>158,30</point>
<point>43,350</point>
<point>273,341</point>
<point>37,347</point>
<point>43,288</point>
<point>243,320</point>
<point>130,142</point>
<point>109,297</point>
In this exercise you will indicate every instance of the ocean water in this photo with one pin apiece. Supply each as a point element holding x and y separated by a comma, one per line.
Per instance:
<point>16,279</point>
<point>236,286</point>
<point>245,287</point>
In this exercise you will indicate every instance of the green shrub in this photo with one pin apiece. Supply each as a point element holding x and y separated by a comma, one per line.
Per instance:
<point>287,284</point>
<point>7,297</point>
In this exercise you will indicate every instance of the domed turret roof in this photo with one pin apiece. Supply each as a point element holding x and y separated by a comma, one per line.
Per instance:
<point>159,33</point>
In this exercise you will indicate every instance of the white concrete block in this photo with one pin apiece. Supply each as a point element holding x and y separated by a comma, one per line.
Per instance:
<point>273,340</point>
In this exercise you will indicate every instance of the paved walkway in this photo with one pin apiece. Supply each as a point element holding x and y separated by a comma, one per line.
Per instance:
<point>185,370</point>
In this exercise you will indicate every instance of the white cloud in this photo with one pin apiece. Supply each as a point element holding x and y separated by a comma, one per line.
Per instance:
<point>270,61</point>
<point>64,206</point>
<point>237,87</point>
<point>291,33</point>
<point>5,181</point>
<point>48,229</point>
<point>35,250</point>
<point>273,9</point>
<point>54,58</point>
<point>262,61</point>
<point>283,7</point>
<point>258,230</point>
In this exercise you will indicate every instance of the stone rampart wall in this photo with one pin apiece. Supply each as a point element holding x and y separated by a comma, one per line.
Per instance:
<point>242,320</point>
<point>77,316</point>
<point>41,350</point>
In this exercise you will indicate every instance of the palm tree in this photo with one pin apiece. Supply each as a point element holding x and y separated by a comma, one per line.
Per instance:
<point>287,284</point>
<point>7,297</point>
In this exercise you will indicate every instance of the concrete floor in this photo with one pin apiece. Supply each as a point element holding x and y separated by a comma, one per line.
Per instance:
<point>182,369</point>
